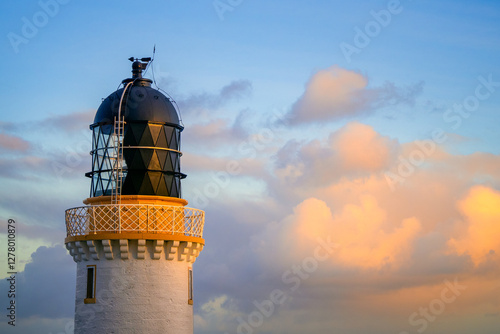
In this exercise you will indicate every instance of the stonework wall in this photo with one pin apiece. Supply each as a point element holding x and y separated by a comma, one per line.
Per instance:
<point>141,286</point>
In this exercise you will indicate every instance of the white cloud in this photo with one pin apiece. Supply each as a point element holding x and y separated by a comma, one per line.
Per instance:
<point>46,286</point>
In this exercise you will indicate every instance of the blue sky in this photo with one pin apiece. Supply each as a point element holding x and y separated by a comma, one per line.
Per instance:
<point>322,137</point>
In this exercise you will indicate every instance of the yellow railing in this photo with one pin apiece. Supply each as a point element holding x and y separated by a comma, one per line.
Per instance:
<point>146,218</point>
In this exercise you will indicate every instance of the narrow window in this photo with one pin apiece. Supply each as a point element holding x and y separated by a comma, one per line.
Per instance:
<point>190,286</point>
<point>91,282</point>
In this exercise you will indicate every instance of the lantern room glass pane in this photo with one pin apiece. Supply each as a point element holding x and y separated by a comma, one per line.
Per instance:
<point>104,155</point>
<point>148,149</point>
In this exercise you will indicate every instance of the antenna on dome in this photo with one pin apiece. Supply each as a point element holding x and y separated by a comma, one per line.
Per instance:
<point>139,65</point>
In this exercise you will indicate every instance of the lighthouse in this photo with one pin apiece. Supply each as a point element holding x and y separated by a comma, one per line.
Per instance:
<point>135,240</point>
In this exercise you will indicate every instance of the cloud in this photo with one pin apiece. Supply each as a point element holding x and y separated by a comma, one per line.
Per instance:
<point>215,315</point>
<point>234,167</point>
<point>199,102</point>
<point>354,150</point>
<point>13,143</point>
<point>31,237</point>
<point>331,93</point>
<point>57,148</point>
<point>438,221</point>
<point>37,324</point>
<point>216,132</point>
<point>46,286</point>
<point>45,295</point>
<point>236,89</point>
<point>56,165</point>
<point>337,93</point>
<point>66,123</point>
<point>361,148</point>
<point>361,230</point>
<point>481,238</point>
<point>8,126</point>
<point>70,123</point>
<point>395,249</point>
<point>32,232</point>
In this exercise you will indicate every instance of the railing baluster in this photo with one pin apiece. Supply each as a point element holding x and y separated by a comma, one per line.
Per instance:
<point>119,219</point>
<point>93,218</point>
<point>175,223</point>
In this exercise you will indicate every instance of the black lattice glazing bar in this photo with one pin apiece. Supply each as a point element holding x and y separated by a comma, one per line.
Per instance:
<point>151,160</point>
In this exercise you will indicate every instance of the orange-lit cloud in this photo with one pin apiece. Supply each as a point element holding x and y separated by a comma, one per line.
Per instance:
<point>354,150</point>
<point>398,249</point>
<point>430,223</point>
<point>330,93</point>
<point>361,231</point>
<point>336,93</point>
<point>360,147</point>
<point>481,238</point>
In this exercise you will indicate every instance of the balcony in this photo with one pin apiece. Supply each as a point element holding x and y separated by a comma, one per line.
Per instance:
<point>134,218</point>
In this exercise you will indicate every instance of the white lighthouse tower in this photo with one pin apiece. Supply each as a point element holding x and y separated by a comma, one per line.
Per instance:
<point>135,241</point>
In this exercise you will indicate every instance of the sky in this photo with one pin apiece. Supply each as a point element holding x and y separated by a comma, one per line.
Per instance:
<point>345,153</point>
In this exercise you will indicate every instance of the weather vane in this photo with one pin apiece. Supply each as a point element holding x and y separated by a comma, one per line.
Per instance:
<point>139,65</point>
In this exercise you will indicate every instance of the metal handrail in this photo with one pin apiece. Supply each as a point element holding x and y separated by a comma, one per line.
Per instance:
<point>146,218</point>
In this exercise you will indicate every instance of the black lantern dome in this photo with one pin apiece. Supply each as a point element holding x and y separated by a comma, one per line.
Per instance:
<point>138,154</point>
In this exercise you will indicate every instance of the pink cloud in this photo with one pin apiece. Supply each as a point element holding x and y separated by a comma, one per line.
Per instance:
<point>215,132</point>
<point>13,143</point>
<point>70,122</point>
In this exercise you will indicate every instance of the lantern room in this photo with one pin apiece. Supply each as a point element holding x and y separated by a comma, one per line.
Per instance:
<point>136,139</point>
